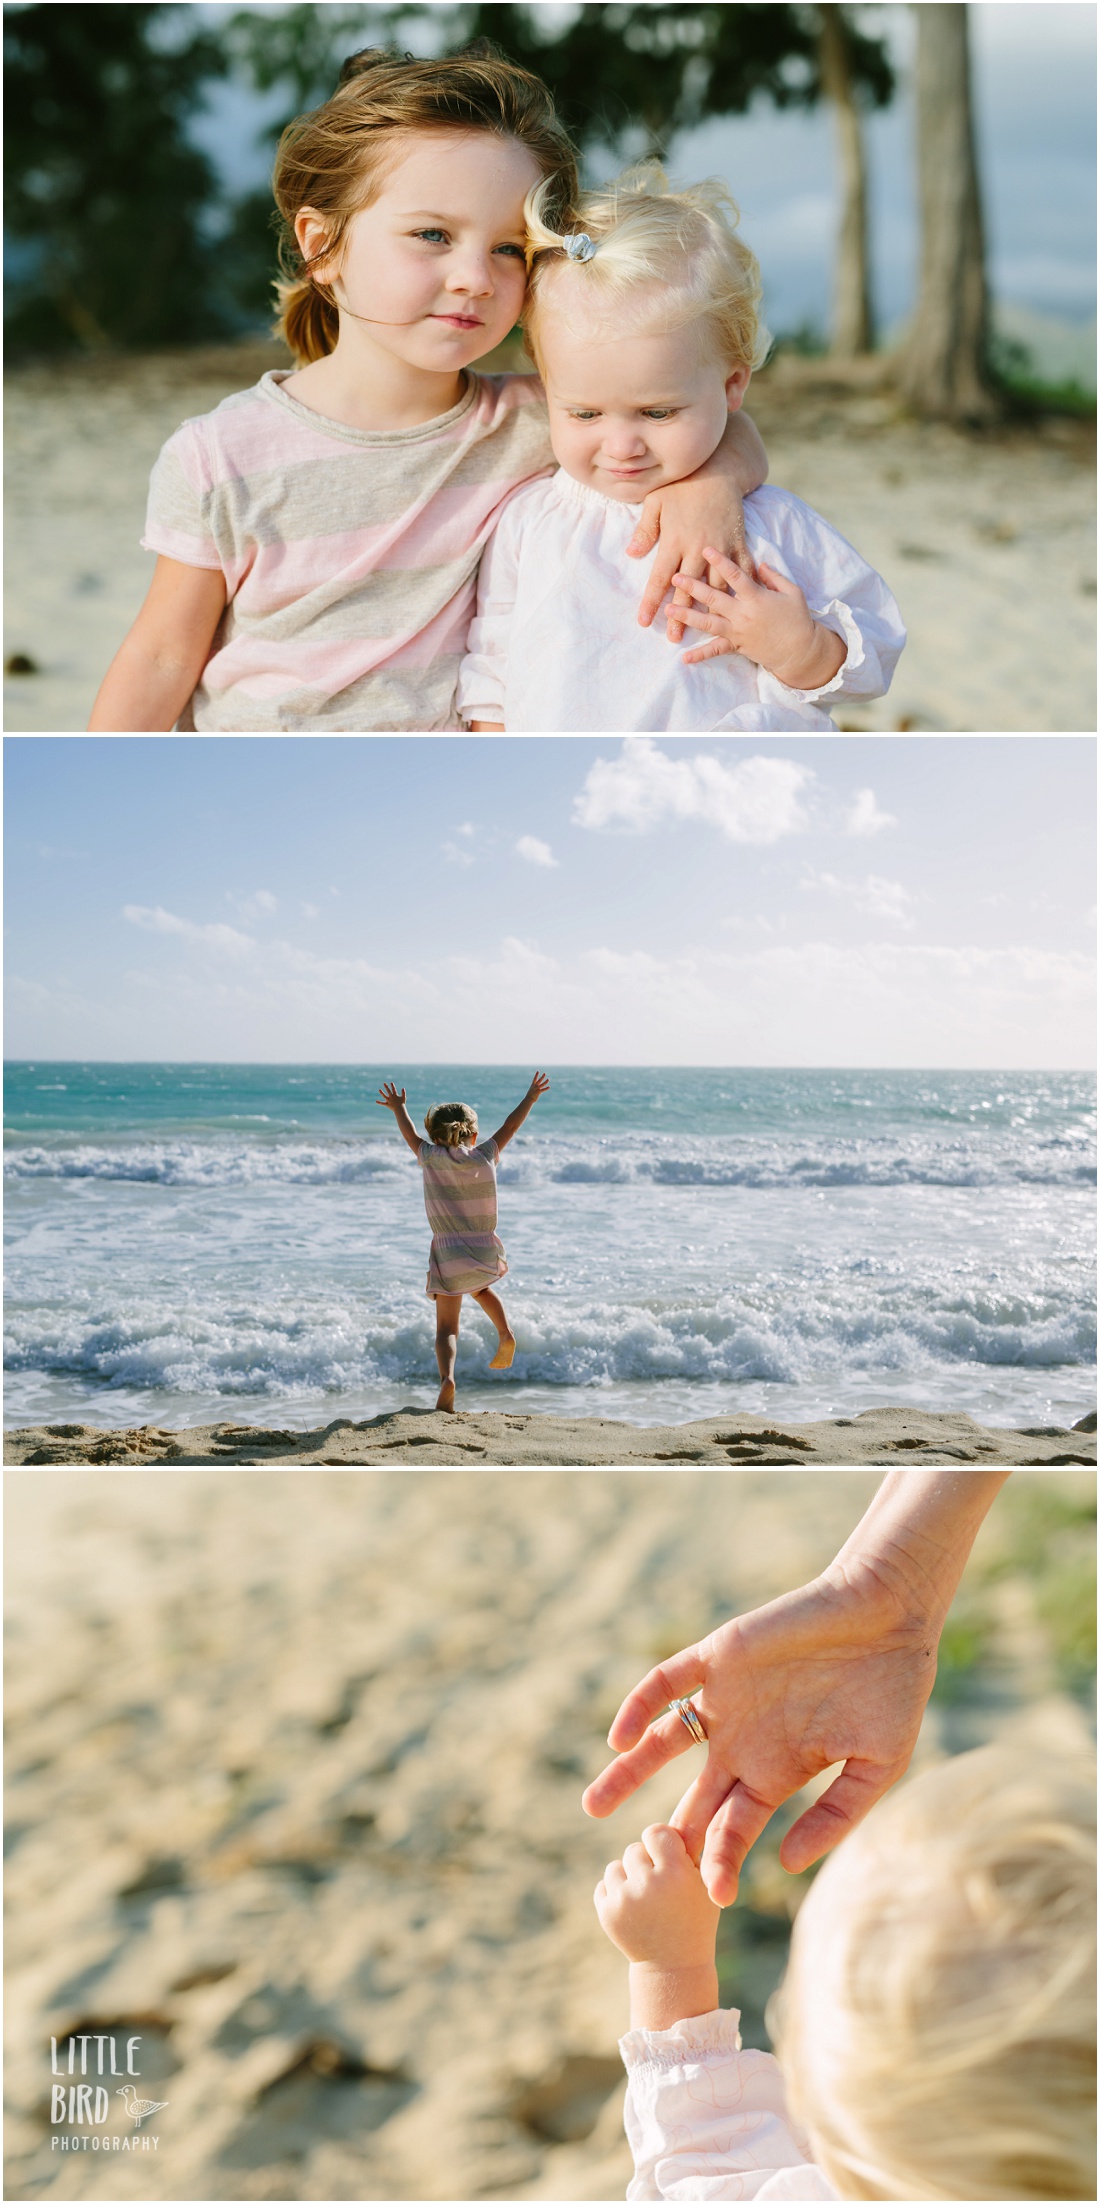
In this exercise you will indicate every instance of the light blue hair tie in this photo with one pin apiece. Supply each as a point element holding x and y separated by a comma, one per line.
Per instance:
<point>579,245</point>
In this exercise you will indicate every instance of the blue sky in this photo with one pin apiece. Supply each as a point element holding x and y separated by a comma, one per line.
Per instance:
<point>1034,67</point>
<point>876,901</point>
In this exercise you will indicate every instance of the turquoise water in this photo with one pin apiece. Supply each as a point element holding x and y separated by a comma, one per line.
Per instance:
<point>194,1240</point>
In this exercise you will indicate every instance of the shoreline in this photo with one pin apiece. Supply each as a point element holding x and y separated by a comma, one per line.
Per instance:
<point>421,1437</point>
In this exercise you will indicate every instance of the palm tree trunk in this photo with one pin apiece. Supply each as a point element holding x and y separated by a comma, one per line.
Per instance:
<point>943,365</point>
<point>852,325</point>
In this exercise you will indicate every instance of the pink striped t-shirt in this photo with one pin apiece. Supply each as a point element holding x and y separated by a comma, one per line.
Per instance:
<point>350,558</point>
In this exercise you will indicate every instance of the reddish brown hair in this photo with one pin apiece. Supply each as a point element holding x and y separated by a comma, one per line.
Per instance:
<point>333,158</point>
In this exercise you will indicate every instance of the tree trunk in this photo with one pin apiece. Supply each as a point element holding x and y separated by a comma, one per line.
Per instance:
<point>943,364</point>
<point>852,326</point>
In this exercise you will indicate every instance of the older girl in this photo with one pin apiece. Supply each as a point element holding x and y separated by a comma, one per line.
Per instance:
<point>460,1196</point>
<point>645,325</point>
<point>318,536</point>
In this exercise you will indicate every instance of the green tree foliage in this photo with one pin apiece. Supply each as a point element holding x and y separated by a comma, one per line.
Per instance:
<point>626,79</point>
<point>107,204</point>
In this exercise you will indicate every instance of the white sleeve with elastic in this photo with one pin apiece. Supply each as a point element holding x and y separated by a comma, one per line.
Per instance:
<point>705,2118</point>
<point>841,590</point>
<point>483,672</point>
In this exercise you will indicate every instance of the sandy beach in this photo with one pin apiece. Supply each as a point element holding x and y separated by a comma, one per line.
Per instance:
<point>422,1437</point>
<point>293,1792</point>
<point>987,541</point>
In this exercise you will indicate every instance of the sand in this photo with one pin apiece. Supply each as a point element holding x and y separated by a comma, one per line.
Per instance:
<point>293,1795</point>
<point>987,541</point>
<point>418,1437</point>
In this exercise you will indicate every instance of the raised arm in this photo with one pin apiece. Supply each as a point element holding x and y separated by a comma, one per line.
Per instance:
<point>838,1671</point>
<point>515,1118</point>
<point>390,1099</point>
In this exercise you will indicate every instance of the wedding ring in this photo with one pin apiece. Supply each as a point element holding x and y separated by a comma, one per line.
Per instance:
<point>691,1719</point>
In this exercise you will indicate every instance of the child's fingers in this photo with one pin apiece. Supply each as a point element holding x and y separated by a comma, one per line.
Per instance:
<point>778,582</point>
<point>732,574</point>
<point>720,648</point>
<point>613,1874</point>
<point>664,1845</point>
<point>636,1859</point>
<point>711,623</point>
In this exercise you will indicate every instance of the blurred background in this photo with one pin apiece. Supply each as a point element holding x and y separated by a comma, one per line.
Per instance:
<point>293,1795</point>
<point>918,182</point>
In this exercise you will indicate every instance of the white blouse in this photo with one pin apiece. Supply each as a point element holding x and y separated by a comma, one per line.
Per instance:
<point>706,2119</point>
<point>555,646</point>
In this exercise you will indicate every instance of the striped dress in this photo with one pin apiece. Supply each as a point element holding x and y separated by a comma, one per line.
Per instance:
<point>460,1196</point>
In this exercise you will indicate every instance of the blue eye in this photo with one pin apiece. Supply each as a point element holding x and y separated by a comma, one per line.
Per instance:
<point>432,235</point>
<point>516,249</point>
<point>658,413</point>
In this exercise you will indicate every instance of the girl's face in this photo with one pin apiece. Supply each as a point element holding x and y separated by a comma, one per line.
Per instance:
<point>434,267</point>
<point>629,413</point>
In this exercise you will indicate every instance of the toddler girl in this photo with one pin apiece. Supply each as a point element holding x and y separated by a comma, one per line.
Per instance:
<point>936,2025</point>
<point>645,327</point>
<point>318,535</point>
<point>460,1196</point>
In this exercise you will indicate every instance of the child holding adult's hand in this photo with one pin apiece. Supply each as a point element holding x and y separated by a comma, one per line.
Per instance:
<point>767,621</point>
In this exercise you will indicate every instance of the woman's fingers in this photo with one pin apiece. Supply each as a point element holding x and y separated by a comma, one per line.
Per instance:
<point>676,1678</point>
<point>701,1802</point>
<point>850,1795</point>
<point>734,1828</point>
<point>662,1743</point>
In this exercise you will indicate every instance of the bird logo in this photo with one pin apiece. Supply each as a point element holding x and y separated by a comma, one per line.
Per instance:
<point>139,2108</point>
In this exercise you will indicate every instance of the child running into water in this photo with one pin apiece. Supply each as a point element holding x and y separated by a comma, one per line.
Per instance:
<point>644,323</point>
<point>460,1196</point>
<point>318,536</point>
<point>937,2023</point>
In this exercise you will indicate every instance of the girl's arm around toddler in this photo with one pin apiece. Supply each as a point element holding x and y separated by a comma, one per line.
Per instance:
<point>539,1085</point>
<point>703,2117</point>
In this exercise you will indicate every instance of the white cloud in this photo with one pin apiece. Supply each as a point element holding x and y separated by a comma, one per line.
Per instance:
<point>756,800</point>
<point>456,855</point>
<point>249,908</point>
<point>877,897</point>
<point>309,910</point>
<point>158,921</point>
<point>884,1002</point>
<point>536,852</point>
<point>865,816</point>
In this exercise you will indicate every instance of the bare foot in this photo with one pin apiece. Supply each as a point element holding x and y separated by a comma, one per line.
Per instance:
<point>502,1360</point>
<point>447,1396</point>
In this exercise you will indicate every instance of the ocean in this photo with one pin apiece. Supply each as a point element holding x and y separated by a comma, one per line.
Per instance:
<point>201,1242</point>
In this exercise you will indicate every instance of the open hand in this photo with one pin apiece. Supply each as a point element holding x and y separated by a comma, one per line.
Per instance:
<point>837,1671</point>
<point>653,1903</point>
<point>767,621</point>
<point>540,1084</point>
<point>388,1096</point>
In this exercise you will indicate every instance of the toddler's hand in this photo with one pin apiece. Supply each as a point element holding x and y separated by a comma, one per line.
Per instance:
<point>768,621</point>
<point>654,1904</point>
<point>388,1097</point>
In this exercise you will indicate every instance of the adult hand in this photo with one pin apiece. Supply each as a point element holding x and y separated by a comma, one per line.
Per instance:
<point>838,1671</point>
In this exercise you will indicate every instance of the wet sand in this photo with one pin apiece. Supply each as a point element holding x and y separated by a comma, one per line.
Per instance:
<point>293,1795</point>
<point>986,540</point>
<point>419,1437</point>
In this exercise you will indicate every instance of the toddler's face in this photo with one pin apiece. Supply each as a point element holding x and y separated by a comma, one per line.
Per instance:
<point>629,413</point>
<point>435,263</point>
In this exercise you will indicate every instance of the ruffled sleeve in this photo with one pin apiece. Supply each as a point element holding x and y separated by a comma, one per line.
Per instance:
<point>842,591</point>
<point>705,2118</point>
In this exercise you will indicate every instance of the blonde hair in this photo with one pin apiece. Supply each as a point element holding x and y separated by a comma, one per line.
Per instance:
<point>335,158</point>
<point>451,1125</point>
<point>646,233</point>
<point>937,2024</point>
